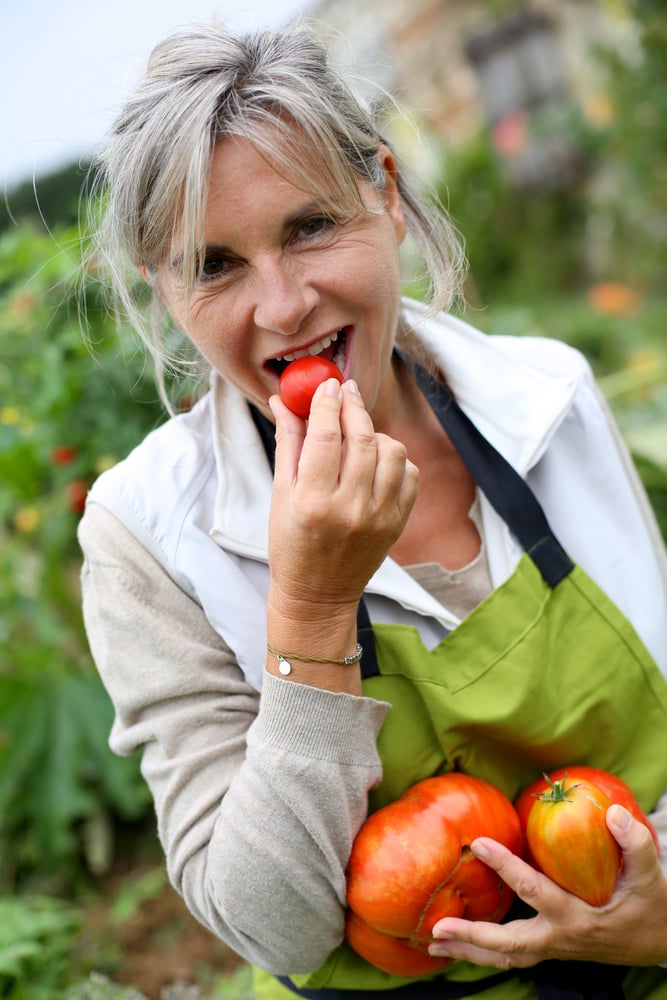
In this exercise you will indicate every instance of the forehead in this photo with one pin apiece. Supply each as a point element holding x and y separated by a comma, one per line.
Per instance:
<point>242,168</point>
<point>239,162</point>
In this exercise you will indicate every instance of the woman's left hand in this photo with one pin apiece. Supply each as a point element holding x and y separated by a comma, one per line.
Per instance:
<point>631,929</point>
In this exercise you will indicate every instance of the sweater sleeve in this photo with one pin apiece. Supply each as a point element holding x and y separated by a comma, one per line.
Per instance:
<point>258,797</point>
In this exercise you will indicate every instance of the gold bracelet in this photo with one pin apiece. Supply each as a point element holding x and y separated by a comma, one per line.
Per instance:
<point>285,667</point>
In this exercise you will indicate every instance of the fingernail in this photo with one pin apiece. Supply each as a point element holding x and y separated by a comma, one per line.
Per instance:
<point>437,951</point>
<point>352,386</point>
<point>480,850</point>
<point>331,387</point>
<point>621,817</point>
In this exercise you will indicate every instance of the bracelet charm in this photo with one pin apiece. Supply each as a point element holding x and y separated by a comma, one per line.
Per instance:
<point>285,667</point>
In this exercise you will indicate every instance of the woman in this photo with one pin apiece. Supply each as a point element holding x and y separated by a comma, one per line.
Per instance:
<point>229,591</point>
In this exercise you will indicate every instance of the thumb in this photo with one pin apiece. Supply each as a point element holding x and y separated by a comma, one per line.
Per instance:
<point>640,859</point>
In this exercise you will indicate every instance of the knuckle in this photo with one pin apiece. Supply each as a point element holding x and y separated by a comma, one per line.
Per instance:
<point>312,512</point>
<point>325,436</point>
<point>514,949</point>
<point>506,961</point>
<point>365,439</point>
<point>644,837</point>
<point>395,449</point>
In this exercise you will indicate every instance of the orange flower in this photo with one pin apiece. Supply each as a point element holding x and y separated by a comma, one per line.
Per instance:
<point>613,299</point>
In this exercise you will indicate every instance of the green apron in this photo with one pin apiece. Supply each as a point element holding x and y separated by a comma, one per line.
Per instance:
<point>545,672</point>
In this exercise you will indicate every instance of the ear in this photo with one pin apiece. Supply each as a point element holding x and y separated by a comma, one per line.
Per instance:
<point>391,194</point>
<point>148,275</point>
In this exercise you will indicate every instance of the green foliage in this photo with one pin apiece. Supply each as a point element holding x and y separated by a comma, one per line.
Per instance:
<point>515,240</point>
<point>584,262</point>
<point>609,221</point>
<point>36,935</point>
<point>54,198</point>
<point>238,986</point>
<point>633,148</point>
<point>58,779</point>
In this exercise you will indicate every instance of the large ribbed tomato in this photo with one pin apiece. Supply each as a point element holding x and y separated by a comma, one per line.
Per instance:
<point>411,865</point>
<point>562,817</point>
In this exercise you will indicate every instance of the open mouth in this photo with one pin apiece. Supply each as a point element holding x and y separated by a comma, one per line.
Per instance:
<point>332,348</point>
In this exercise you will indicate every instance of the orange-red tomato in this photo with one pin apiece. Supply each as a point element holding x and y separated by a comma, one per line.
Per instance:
<point>562,817</point>
<point>411,865</point>
<point>300,380</point>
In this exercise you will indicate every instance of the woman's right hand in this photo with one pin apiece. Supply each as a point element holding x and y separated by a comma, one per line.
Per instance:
<point>342,496</point>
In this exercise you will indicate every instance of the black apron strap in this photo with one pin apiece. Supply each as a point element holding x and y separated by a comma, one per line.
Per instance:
<point>504,488</point>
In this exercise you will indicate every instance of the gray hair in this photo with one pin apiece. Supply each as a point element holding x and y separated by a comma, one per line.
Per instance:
<point>271,87</point>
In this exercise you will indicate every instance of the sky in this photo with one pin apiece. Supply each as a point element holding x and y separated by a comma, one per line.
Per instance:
<point>67,64</point>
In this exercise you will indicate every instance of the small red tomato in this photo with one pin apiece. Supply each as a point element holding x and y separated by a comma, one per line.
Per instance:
<point>300,380</point>
<point>411,865</point>
<point>568,839</point>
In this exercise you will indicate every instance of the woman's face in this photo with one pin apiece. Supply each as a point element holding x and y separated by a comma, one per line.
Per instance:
<point>284,276</point>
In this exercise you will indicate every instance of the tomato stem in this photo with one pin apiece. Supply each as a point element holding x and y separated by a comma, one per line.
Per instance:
<point>559,791</point>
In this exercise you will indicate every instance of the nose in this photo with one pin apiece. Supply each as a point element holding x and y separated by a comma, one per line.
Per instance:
<point>284,297</point>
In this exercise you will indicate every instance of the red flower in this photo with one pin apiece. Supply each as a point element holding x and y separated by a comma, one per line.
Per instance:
<point>510,134</point>
<point>63,454</point>
<point>77,491</point>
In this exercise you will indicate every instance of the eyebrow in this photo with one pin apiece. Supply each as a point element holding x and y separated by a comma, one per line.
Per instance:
<point>319,207</point>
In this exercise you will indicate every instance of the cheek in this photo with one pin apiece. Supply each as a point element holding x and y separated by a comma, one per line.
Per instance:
<point>211,329</point>
<point>375,276</point>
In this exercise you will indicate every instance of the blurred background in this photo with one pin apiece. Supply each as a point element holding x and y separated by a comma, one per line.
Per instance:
<point>541,125</point>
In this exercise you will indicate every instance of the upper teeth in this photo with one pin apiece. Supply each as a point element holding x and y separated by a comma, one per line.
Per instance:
<point>317,348</point>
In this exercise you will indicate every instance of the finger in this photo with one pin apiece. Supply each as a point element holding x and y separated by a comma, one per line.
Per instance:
<point>640,858</point>
<point>531,886</point>
<point>502,946</point>
<point>290,434</point>
<point>319,463</point>
<point>360,446</point>
<point>463,952</point>
<point>396,477</point>
<point>377,461</point>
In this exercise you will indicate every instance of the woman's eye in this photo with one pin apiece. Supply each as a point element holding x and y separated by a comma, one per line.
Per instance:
<point>314,226</point>
<point>212,266</point>
<point>215,266</point>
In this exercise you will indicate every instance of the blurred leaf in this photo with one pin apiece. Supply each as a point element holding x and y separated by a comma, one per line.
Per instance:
<point>36,934</point>
<point>99,987</point>
<point>55,767</point>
